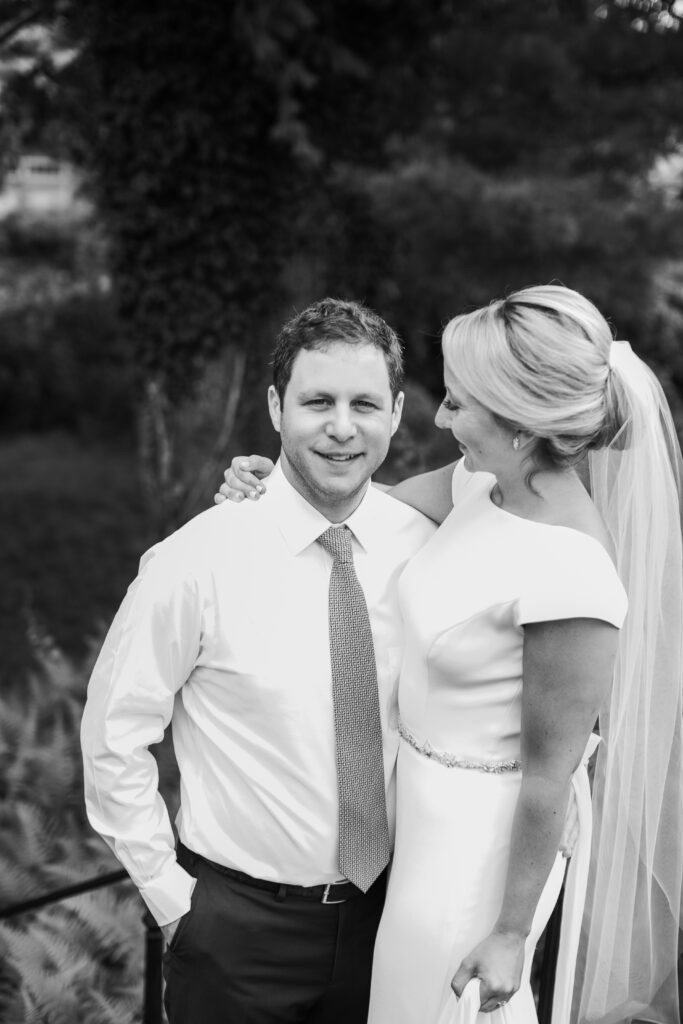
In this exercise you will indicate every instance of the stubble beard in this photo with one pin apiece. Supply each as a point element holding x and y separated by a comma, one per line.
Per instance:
<point>325,499</point>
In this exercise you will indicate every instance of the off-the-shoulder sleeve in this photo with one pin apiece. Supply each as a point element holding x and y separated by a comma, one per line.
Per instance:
<point>572,579</point>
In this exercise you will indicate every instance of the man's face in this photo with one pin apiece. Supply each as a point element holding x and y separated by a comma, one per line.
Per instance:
<point>335,424</point>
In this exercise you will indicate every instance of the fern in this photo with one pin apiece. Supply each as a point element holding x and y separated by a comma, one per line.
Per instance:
<point>79,961</point>
<point>52,1000</point>
<point>109,925</point>
<point>36,831</point>
<point>107,1011</point>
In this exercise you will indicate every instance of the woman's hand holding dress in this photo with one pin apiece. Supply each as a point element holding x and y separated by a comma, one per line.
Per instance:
<point>497,962</point>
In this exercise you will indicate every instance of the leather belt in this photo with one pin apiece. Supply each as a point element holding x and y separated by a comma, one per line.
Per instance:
<point>332,892</point>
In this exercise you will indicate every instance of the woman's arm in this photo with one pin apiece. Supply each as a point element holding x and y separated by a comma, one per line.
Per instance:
<point>567,668</point>
<point>429,493</point>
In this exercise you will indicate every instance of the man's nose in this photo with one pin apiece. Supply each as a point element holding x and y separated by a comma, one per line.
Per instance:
<point>341,425</point>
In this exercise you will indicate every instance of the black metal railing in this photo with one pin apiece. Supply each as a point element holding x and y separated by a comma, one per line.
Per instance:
<point>151,1011</point>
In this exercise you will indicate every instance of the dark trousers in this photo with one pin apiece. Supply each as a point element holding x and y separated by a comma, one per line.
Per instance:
<point>242,955</point>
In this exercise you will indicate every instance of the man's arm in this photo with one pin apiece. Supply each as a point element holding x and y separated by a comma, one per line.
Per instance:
<point>147,656</point>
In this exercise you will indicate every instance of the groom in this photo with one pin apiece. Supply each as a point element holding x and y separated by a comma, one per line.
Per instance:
<point>269,636</point>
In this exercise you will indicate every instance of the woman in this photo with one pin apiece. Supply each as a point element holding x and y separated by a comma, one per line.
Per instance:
<point>512,617</point>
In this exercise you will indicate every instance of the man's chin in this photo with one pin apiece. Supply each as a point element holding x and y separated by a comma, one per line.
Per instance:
<point>340,484</point>
<point>328,483</point>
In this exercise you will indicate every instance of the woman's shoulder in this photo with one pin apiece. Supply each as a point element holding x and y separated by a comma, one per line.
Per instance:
<point>569,563</point>
<point>429,493</point>
<point>581,527</point>
<point>578,512</point>
<point>592,546</point>
<point>570,573</point>
<point>569,527</point>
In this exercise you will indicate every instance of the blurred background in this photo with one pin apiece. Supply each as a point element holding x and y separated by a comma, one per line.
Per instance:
<point>178,178</point>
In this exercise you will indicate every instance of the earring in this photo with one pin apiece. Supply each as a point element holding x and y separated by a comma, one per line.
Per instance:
<point>515,442</point>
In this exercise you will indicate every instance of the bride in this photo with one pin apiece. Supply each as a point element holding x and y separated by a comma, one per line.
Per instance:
<point>513,648</point>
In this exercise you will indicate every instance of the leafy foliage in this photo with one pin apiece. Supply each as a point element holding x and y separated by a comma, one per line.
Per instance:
<point>571,87</point>
<point>472,237</point>
<point>223,139</point>
<point>78,961</point>
<point>64,363</point>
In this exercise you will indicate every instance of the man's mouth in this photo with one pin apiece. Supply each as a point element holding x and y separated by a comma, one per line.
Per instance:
<point>339,456</point>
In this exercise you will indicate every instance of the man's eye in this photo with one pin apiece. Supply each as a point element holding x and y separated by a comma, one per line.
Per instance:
<point>317,401</point>
<point>366,405</point>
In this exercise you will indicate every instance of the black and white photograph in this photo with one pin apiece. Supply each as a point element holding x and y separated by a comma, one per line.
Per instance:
<point>341,529</point>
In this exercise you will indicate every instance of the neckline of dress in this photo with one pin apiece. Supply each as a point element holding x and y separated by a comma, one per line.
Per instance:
<point>550,526</point>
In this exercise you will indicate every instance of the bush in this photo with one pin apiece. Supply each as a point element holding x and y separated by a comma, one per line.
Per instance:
<point>64,366</point>
<point>72,529</point>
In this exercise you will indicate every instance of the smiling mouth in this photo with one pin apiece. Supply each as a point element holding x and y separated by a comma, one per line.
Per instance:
<point>336,457</point>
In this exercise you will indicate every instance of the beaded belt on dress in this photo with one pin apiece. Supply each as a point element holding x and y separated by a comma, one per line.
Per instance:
<point>454,760</point>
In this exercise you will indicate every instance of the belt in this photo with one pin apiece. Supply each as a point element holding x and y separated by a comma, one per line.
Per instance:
<point>332,892</point>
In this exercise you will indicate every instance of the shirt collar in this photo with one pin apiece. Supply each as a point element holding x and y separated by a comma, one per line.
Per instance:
<point>301,524</point>
<point>368,521</point>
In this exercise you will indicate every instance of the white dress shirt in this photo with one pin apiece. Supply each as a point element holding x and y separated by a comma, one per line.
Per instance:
<point>225,631</point>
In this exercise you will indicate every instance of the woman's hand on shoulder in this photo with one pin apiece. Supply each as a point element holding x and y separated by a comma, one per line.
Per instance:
<point>497,962</point>
<point>244,478</point>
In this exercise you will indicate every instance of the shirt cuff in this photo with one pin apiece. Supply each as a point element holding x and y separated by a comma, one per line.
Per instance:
<point>168,896</point>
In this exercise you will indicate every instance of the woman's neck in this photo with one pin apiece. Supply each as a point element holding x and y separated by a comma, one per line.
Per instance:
<point>548,490</point>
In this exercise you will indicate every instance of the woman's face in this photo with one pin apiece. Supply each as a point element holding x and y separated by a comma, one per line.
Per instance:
<point>486,444</point>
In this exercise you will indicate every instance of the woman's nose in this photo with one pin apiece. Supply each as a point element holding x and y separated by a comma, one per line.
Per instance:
<point>442,419</point>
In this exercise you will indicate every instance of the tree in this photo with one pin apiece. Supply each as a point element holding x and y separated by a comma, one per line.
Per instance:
<point>208,127</point>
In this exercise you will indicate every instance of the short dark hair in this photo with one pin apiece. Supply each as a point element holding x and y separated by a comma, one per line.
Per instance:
<point>335,320</point>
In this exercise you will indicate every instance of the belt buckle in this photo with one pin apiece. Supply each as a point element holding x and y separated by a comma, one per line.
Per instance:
<point>326,894</point>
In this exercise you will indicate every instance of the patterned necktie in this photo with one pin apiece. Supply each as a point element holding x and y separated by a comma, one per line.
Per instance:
<point>363,829</point>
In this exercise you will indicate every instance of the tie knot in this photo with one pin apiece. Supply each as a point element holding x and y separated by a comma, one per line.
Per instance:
<point>337,541</point>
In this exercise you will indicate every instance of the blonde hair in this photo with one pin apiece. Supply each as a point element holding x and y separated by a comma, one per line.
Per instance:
<point>539,360</point>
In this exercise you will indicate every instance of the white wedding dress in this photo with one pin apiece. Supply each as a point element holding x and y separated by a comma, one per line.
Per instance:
<point>465,598</point>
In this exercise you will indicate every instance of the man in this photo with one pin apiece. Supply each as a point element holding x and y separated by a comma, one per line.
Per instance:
<point>270,636</point>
